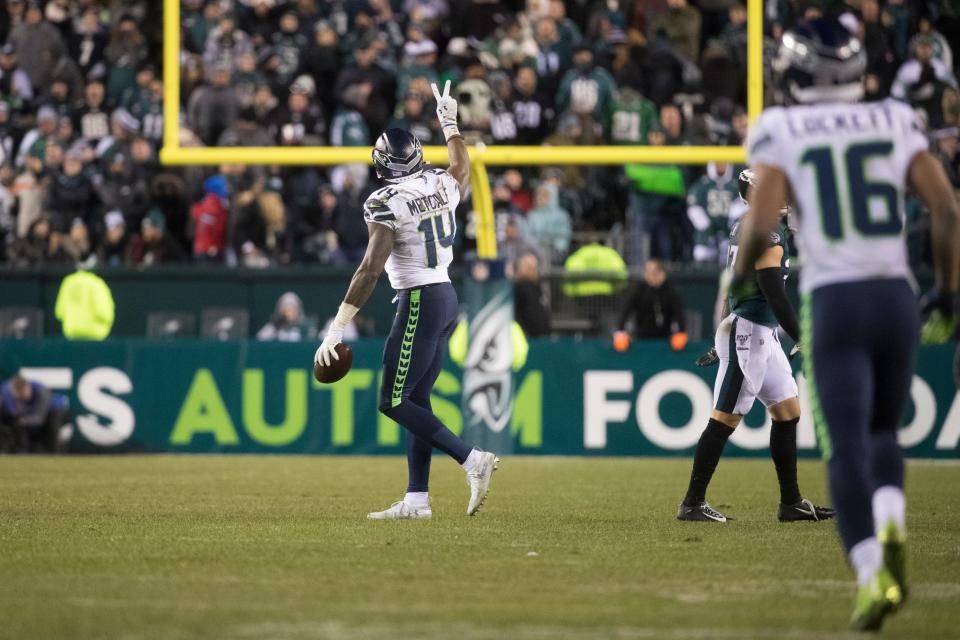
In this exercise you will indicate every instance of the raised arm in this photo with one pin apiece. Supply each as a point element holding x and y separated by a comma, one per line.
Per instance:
<point>459,159</point>
<point>361,286</point>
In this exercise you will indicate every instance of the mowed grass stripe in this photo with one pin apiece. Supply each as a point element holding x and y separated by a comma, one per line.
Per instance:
<point>279,547</point>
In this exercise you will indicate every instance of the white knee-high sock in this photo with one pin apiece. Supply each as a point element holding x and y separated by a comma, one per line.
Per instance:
<point>889,503</point>
<point>866,557</point>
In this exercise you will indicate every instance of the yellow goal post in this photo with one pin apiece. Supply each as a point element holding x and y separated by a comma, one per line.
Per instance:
<point>172,153</point>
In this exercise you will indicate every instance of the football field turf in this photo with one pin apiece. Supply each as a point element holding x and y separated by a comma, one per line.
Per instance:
<point>279,547</point>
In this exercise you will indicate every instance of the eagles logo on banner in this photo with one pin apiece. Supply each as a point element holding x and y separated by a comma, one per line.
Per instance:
<point>487,376</point>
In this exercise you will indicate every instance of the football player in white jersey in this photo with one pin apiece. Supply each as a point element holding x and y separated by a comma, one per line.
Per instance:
<point>412,227</point>
<point>846,167</point>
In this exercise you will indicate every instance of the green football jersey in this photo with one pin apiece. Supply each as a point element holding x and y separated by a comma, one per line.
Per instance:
<point>714,197</point>
<point>751,304</point>
<point>631,116</point>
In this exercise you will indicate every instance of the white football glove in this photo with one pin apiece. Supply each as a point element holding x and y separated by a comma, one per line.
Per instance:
<point>446,111</point>
<point>327,351</point>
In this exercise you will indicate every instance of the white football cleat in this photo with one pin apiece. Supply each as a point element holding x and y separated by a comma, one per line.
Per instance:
<point>479,481</point>
<point>402,511</point>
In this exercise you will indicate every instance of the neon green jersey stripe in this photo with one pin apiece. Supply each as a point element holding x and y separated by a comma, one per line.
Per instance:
<point>406,348</point>
<point>806,332</point>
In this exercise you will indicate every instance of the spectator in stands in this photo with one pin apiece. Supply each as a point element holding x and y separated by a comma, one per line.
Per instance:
<point>91,119</point>
<point>549,224</point>
<point>246,131</point>
<point>33,250</point>
<point>529,309</point>
<point>322,61</point>
<point>153,245</point>
<point>71,195</point>
<point>288,322</point>
<point>88,43</point>
<point>713,202</point>
<point>350,230</point>
<point>76,246</point>
<point>15,84</point>
<point>214,108</point>
<point>631,117</point>
<point>475,98</point>
<point>113,247</point>
<point>287,43</point>
<point>31,416</point>
<point>533,109</point>
<point>416,118</point>
<point>377,85</point>
<point>681,23</point>
<point>655,308</point>
<point>125,52</point>
<point>38,44</point>
<point>34,142</point>
<point>210,217</point>
<point>656,206</point>
<point>922,79</point>
<point>586,88</point>
<point>554,55</point>
<point>300,122</point>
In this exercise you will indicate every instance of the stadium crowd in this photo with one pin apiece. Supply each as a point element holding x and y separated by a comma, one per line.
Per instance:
<point>81,117</point>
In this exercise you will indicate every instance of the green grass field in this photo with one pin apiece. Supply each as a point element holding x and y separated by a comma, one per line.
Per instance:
<point>279,547</point>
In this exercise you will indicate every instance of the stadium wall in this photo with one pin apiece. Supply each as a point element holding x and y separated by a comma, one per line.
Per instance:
<point>571,398</point>
<point>137,293</point>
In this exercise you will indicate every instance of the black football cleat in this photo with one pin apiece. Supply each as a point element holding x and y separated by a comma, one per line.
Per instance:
<point>702,512</point>
<point>804,510</point>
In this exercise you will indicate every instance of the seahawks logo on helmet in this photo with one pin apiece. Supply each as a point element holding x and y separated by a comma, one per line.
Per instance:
<point>397,155</point>
<point>821,61</point>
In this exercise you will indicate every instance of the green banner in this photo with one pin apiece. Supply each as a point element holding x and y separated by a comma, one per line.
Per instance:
<point>571,398</point>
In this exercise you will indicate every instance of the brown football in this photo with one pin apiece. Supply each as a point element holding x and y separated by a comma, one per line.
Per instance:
<point>337,368</point>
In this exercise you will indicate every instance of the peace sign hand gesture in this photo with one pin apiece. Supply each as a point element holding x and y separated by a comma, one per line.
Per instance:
<point>446,110</point>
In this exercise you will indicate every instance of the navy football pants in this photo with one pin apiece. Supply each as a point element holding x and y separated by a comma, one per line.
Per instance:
<point>860,339</point>
<point>412,359</point>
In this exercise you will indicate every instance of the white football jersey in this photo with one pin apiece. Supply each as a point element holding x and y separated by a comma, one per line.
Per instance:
<point>421,213</point>
<point>847,168</point>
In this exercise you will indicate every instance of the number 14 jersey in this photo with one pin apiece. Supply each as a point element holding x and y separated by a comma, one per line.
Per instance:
<point>421,213</point>
<point>847,168</point>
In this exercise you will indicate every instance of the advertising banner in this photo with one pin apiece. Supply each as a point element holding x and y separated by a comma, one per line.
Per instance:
<point>571,398</point>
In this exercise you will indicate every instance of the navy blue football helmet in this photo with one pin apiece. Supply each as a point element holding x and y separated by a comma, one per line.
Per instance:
<point>821,61</point>
<point>397,155</point>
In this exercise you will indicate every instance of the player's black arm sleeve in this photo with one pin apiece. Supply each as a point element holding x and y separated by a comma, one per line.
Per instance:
<point>771,284</point>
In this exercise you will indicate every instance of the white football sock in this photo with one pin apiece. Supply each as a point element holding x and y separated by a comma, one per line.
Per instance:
<point>472,460</point>
<point>866,557</point>
<point>418,499</point>
<point>889,503</point>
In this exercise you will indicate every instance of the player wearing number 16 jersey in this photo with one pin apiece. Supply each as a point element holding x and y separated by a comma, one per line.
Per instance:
<point>412,228</point>
<point>847,167</point>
